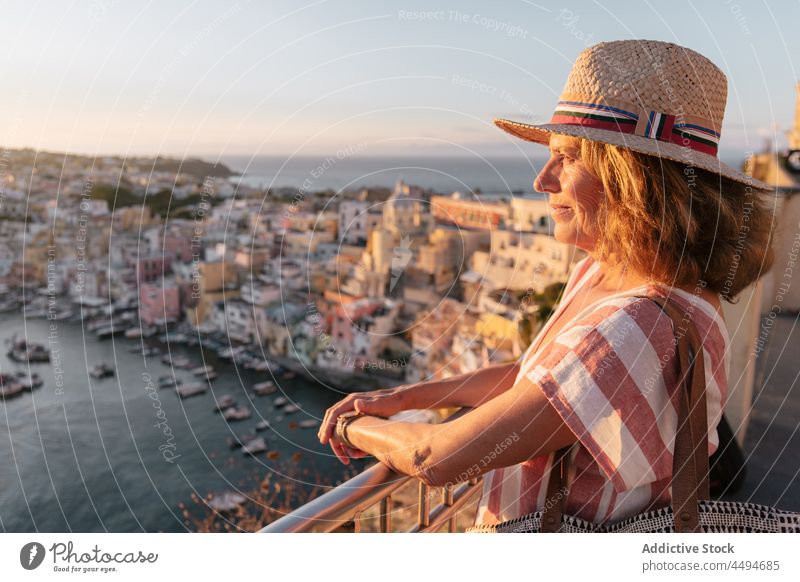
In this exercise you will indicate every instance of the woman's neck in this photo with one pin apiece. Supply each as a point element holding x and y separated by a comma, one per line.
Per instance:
<point>613,278</point>
<point>616,278</point>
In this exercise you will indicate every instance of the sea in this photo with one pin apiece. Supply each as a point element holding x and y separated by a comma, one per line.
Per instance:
<point>495,176</point>
<point>440,174</point>
<point>115,455</point>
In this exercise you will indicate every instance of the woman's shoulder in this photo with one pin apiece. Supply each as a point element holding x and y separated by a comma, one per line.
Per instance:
<point>630,323</point>
<point>637,325</point>
<point>621,318</point>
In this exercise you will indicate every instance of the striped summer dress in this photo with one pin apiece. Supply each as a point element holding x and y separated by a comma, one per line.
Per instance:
<point>604,376</point>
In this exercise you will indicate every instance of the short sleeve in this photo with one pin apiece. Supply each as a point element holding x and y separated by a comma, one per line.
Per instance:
<point>607,375</point>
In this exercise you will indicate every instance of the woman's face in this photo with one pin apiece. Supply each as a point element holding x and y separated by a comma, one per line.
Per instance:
<point>574,193</point>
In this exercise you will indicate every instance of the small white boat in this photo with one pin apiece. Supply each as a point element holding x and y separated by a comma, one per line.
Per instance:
<point>225,401</point>
<point>187,390</point>
<point>308,423</point>
<point>9,386</point>
<point>182,362</point>
<point>29,381</point>
<point>137,332</point>
<point>230,353</point>
<point>255,446</point>
<point>109,330</point>
<point>10,391</point>
<point>102,370</point>
<point>202,370</point>
<point>263,425</point>
<point>290,408</point>
<point>237,413</point>
<point>167,381</point>
<point>236,442</point>
<point>265,388</point>
<point>26,352</point>
<point>280,401</point>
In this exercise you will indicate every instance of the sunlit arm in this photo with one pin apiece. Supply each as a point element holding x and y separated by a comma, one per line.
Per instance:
<point>512,427</point>
<point>470,389</point>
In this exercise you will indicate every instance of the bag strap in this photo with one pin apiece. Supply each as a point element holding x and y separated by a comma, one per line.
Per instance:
<point>690,453</point>
<point>554,503</point>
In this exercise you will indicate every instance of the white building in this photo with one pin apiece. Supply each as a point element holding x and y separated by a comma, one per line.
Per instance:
<point>522,260</point>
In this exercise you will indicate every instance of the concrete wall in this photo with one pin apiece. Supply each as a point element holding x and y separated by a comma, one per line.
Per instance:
<point>743,321</point>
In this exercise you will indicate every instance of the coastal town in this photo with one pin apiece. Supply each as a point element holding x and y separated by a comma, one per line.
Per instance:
<point>364,288</point>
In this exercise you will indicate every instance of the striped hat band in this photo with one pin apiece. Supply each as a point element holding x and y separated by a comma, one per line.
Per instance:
<point>684,130</point>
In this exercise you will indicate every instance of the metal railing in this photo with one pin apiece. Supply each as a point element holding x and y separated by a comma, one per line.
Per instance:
<point>346,503</point>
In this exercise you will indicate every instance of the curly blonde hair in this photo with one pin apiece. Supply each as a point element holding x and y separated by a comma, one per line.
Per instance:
<point>677,224</point>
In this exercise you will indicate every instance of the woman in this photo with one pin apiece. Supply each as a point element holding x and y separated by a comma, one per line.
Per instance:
<point>633,179</point>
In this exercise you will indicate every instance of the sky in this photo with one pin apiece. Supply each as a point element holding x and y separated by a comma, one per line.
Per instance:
<point>331,77</point>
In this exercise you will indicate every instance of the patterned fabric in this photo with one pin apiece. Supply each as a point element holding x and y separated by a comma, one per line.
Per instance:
<point>694,133</point>
<point>715,517</point>
<point>611,373</point>
<point>595,115</point>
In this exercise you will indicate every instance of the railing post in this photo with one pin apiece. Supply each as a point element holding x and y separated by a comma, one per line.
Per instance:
<point>447,500</point>
<point>386,516</point>
<point>424,506</point>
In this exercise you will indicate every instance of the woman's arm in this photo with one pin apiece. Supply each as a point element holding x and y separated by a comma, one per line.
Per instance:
<point>516,425</point>
<point>465,390</point>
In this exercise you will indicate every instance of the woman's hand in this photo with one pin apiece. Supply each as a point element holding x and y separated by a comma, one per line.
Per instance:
<point>345,453</point>
<point>378,402</point>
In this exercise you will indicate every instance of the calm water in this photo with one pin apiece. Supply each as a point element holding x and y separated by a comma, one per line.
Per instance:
<point>442,174</point>
<point>89,459</point>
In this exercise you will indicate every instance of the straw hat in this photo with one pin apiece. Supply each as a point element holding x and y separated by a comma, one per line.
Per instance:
<point>653,97</point>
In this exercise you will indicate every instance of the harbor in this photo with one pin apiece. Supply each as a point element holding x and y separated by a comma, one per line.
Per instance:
<point>123,452</point>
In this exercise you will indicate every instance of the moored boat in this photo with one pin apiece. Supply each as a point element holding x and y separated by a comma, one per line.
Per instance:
<point>21,350</point>
<point>29,381</point>
<point>265,388</point>
<point>9,387</point>
<point>236,442</point>
<point>102,370</point>
<point>237,413</point>
<point>187,390</point>
<point>224,401</point>
<point>167,381</point>
<point>255,446</point>
<point>202,370</point>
